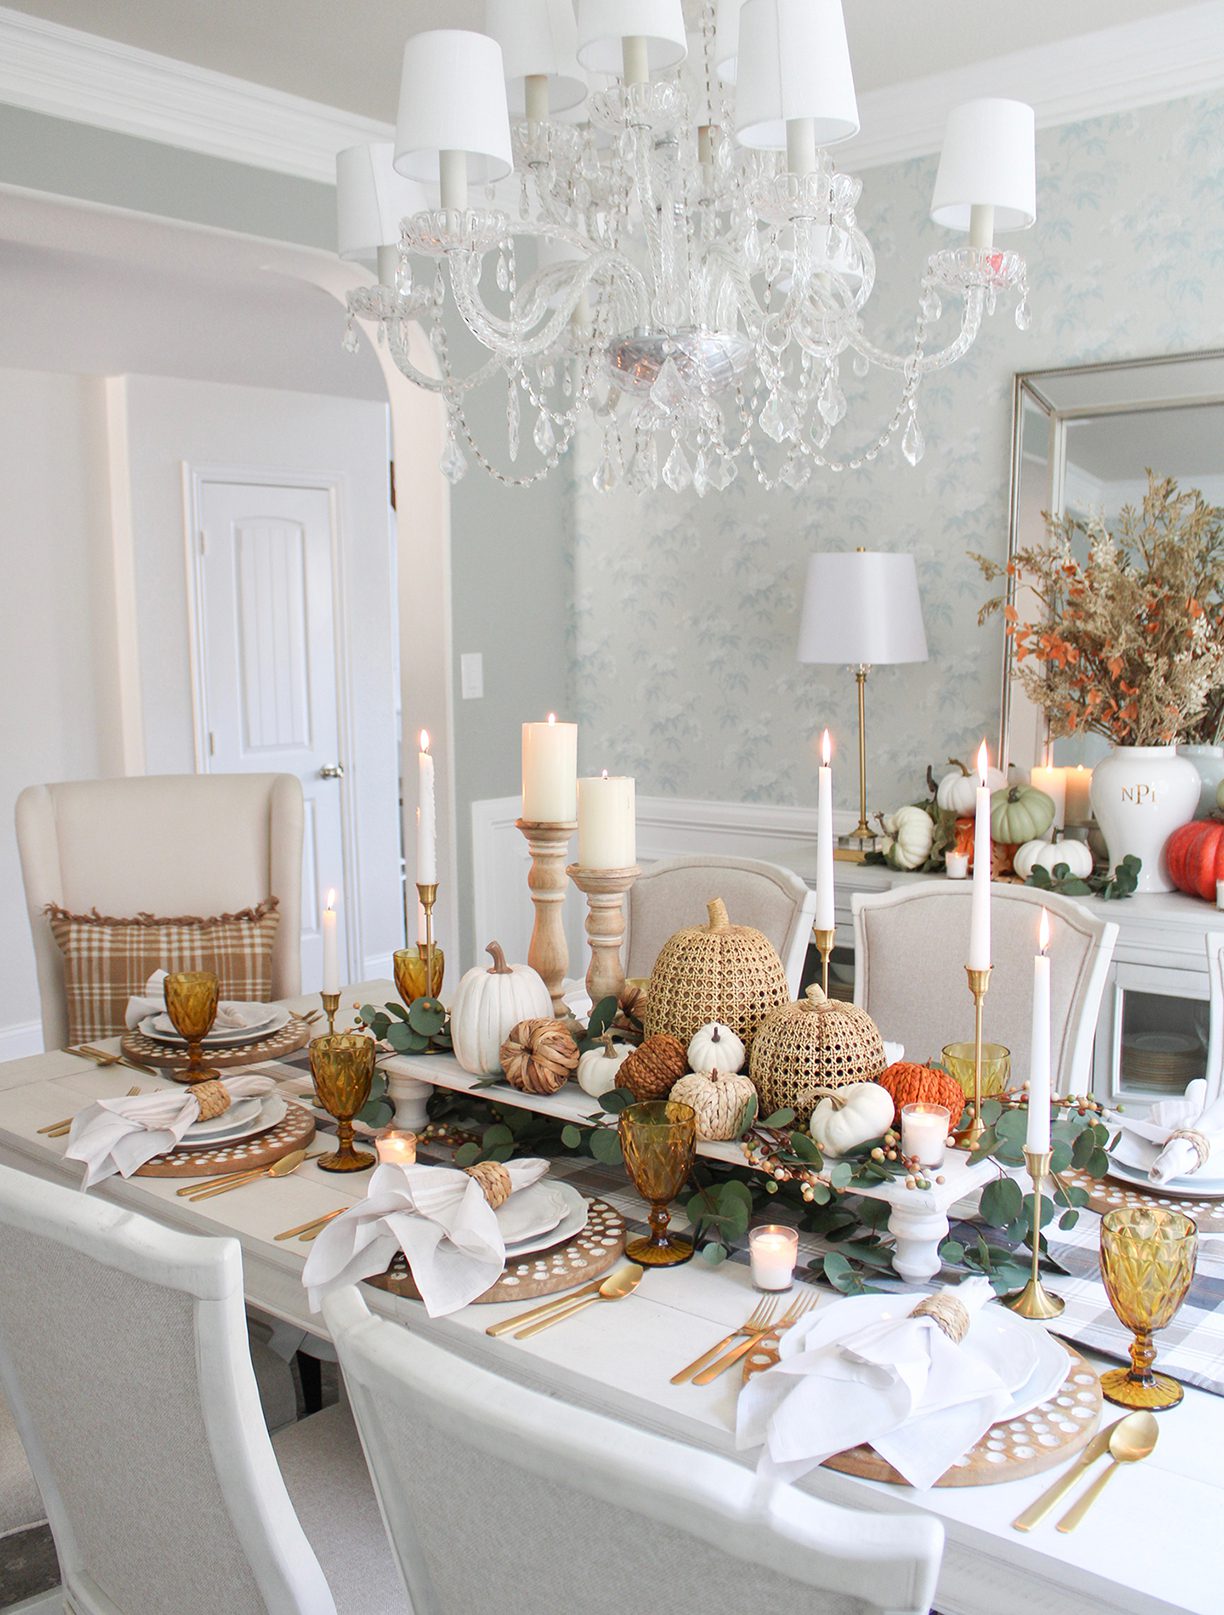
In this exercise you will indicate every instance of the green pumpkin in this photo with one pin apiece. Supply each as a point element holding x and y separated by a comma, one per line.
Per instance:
<point>1020,813</point>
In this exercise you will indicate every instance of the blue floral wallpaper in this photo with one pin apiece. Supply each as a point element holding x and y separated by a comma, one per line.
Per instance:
<point>685,611</point>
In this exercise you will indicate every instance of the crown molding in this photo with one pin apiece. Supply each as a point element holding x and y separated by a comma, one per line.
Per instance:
<point>65,73</point>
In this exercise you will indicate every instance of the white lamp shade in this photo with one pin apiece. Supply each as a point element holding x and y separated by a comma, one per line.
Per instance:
<point>726,39</point>
<point>603,24</point>
<point>453,98</point>
<point>793,61</point>
<point>988,159</point>
<point>540,38</point>
<point>862,606</point>
<point>371,199</point>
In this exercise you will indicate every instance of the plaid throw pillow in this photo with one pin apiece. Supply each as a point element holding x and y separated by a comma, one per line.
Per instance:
<point>106,960</point>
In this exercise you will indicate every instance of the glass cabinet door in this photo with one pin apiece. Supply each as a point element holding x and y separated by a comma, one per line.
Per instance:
<point>1154,1043</point>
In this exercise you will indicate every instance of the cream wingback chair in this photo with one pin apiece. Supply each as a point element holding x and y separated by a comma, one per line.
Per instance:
<point>910,947</point>
<point>674,893</point>
<point>161,844</point>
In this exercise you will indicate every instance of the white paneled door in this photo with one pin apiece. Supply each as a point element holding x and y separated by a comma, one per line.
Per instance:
<point>267,666</point>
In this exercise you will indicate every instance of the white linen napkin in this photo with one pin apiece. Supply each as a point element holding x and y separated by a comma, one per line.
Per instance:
<point>119,1135</point>
<point>437,1216</point>
<point>1164,1156</point>
<point>231,1017</point>
<point>902,1385</point>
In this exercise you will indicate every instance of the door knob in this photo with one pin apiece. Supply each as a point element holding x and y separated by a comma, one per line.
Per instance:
<point>332,771</point>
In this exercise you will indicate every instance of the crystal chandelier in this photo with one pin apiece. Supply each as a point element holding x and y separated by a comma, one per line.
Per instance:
<point>676,258</point>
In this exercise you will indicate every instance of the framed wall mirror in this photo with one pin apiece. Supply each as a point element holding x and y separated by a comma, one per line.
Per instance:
<point>1082,441</point>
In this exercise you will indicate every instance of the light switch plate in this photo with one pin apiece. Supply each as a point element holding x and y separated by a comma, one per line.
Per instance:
<point>471,675</point>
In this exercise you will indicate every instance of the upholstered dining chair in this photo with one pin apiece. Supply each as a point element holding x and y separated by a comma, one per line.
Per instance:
<point>123,1354</point>
<point>162,844</point>
<point>635,1521</point>
<point>674,892</point>
<point>1215,1036</point>
<point>910,947</point>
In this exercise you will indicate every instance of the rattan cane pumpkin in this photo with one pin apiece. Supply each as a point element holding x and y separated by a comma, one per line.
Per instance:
<point>805,1048</point>
<point>715,972</point>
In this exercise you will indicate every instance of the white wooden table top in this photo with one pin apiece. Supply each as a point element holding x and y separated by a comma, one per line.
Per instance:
<point>1152,1546</point>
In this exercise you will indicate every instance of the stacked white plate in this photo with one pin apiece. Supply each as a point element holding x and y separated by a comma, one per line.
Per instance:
<point>541,1216</point>
<point>1133,1158</point>
<point>264,1020</point>
<point>245,1118</point>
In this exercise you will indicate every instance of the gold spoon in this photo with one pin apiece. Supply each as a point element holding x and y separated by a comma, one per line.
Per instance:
<point>614,1288</point>
<point>278,1169</point>
<point>1131,1439</point>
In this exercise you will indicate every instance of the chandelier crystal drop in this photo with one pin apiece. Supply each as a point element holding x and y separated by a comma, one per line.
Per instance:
<point>683,267</point>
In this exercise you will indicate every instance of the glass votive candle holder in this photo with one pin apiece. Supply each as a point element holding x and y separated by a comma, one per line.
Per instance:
<point>396,1146</point>
<point>957,865</point>
<point>773,1250</point>
<point>924,1133</point>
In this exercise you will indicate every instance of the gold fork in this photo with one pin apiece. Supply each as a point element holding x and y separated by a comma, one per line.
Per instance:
<point>225,1179</point>
<point>757,1323</point>
<point>106,1057</point>
<point>802,1303</point>
<point>58,1129</point>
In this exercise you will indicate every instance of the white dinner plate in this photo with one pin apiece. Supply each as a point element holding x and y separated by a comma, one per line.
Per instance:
<point>235,1115</point>
<point>161,1030</point>
<point>574,1221</point>
<point>1195,1187</point>
<point>534,1210</point>
<point>272,1109</point>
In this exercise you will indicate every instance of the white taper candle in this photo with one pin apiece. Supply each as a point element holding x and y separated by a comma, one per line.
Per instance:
<point>427,823</point>
<point>979,928</point>
<point>1037,1136</point>
<point>331,951</point>
<point>825,920</point>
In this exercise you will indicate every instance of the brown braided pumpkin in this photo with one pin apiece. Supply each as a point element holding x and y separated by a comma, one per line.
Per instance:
<point>912,1084</point>
<point>653,1069</point>
<point>539,1056</point>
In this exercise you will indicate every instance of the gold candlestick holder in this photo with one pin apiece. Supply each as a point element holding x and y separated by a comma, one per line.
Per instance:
<point>548,954</point>
<point>824,947</point>
<point>331,1003</point>
<point>1034,1300</point>
<point>604,890</point>
<point>969,1136</point>
<point>427,891</point>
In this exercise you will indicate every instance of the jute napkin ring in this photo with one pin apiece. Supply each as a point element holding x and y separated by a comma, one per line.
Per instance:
<point>212,1096</point>
<point>1198,1142</point>
<point>494,1181</point>
<point>949,1314</point>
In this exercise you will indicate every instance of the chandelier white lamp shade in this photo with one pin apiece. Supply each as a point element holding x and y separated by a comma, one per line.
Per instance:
<point>684,270</point>
<point>371,199</point>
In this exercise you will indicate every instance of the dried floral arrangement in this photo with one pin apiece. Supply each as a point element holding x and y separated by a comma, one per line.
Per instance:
<point>1131,645</point>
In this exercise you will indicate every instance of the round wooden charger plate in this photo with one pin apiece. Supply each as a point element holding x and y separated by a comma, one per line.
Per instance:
<point>1107,1194</point>
<point>1047,1435</point>
<point>294,1035</point>
<point>293,1133</point>
<point>586,1256</point>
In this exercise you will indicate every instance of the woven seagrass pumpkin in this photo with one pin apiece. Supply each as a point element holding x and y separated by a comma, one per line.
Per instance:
<point>810,1046</point>
<point>715,972</point>
<point>718,1099</point>
<point>539,1056</point>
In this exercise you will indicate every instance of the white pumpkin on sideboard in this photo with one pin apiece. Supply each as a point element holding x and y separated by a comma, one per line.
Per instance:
<point>488,1003</point>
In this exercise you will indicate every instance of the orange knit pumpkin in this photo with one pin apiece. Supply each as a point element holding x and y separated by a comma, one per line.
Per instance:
<point>912,1084</point>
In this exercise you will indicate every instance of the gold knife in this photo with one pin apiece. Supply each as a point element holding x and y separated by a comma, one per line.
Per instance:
<point>554,1305</point>
<point>1095,1449</point>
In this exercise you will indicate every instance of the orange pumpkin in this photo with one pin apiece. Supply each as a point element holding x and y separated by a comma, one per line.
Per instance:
<point>1196,857</point>
<point>912,1084</point>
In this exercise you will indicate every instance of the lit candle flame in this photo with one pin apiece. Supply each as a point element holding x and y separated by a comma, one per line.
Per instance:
<point>331,898</point>
<point>983,762</point>
<point>604,774</point>
<point>1043,932</point>
<point>552,717</point>
<point>424,739</point>
<point>826,748</point>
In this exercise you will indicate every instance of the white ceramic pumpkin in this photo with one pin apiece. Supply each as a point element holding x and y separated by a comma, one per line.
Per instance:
<point>488,1003</point>
<point>957,791</point>
<point>715,1047</point>
<point>1077,855</point>
<point>598,1068</point>
<point>718,1099</point>
<point>843,1120</point>
<point>909,836</point>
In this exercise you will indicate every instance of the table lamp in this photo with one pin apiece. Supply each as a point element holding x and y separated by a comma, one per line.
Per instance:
<point>861,609</point>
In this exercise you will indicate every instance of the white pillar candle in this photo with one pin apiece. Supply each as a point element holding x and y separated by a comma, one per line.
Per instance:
<point>1053,781</point>
<point>607,822</point>
<point>825,919</point>
<point>396,1146</point>
<point>1037,1136</point>
<point>331,952</point>
<point>550,772</point>
<point>979,928</point>
<point>957,865</point>
<point>1077,804</point>
<point>924,1133</point>
<point>773,1251</point>
<point>427,822</point>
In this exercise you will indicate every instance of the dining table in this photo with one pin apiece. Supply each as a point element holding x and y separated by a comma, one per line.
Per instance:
<point>1150,1547</point>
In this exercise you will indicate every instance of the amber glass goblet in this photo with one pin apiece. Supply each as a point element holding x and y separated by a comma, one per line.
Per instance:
<point>342,1064</point>
<point>996,1067</point>
<point>410,973</point>
<point>1147,1263</point>
<point>658,1141</point>
<point>191,1003</point>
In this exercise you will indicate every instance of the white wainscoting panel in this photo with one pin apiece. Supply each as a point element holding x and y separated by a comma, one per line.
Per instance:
<point>25,1037</point>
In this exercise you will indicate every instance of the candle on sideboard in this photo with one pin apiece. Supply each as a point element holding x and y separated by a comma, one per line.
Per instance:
<point>427,822</point>
<point>957,865</point>
<point>1037,1136</point>
<point>607,821</point>
<point>773,1251</point>
<point>825,917</point>
<point>550,772</point>
<point>1053,781</point>
<point>331,952</point>
<point>1077,803</point>
<point>979,928</point>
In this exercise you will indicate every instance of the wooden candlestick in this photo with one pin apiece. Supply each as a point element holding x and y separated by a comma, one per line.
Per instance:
<point>548,954</point>
<point>605,926</point>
